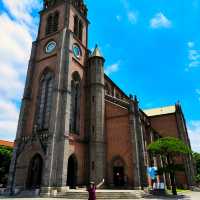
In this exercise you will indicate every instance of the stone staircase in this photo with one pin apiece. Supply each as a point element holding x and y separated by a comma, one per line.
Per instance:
<point>195,188</point>
<point>28,193</point>
<point>104,194</point>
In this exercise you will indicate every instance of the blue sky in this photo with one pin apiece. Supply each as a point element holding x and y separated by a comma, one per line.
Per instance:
<point>151,47</point>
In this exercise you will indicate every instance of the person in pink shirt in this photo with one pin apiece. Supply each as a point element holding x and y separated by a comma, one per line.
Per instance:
<point>92,189</point>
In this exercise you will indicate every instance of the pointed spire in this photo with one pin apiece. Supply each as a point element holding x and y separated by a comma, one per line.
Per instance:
<point>96,52</point>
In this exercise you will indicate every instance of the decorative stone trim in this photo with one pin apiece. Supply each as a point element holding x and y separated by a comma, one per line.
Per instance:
<point>117,101</point>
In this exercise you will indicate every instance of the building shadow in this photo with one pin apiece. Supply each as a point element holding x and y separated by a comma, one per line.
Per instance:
<point>181,196</point>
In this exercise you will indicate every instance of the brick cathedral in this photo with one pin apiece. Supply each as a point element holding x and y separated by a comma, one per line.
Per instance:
<point>76,125</point>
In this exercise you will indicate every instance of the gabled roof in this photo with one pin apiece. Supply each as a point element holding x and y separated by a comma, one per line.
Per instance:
<point>6,143</point>
<point>160,111</point>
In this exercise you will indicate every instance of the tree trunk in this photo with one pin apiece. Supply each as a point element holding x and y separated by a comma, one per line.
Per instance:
<point>173,183</point>
<point>172,175</point>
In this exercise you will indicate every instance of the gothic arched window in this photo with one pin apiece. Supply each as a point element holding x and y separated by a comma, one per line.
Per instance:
<point>45,100</point>
<point>78,27</point>
<point>52,23</point>
<point>75,103</point>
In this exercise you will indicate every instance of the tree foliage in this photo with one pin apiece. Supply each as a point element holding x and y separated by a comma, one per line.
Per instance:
<point>169,148</point>
<point>5,158</point>
<point>168,145</point>
<point>196,157</point>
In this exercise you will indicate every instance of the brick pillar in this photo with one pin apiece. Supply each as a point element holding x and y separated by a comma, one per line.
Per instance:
<point>183,135</point>
<point>140,179</point>
<point>55,172</point>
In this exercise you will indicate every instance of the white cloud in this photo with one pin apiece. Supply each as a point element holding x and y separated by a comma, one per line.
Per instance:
<point>198,93</point>
<point>160,21</point>
<point>194,134</point>
<point>132,17</point>
<point>191,44</point>
<point>8,129</point>
<point>112,68</point>
<point>11,87</point>
<point>8,120</point>
<point>6,106</point>
<point>22,10</point>
<point>15,42</point>
<point>119,18</point>
<point>194,64</point>
<point>193,56</point>
<point>19,29</point>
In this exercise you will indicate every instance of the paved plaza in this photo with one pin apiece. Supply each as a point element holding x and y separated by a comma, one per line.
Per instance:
<point>183,196</point>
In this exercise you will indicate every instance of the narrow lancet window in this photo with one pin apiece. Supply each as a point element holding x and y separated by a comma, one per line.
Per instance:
<point>45,101</point>
<point>80,30</point>
<point>75,104</point>
<point>55,22</point>
<point>76,25</point>
<point>49,24</point>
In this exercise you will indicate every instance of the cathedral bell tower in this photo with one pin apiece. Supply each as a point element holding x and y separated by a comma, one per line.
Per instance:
<point>47,115</point>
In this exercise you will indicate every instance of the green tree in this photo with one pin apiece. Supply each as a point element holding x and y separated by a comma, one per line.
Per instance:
<point>169,148</point>
<point>196,157</point>
<point>5,158</point>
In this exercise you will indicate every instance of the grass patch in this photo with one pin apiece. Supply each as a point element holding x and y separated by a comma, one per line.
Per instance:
<point>178,191</point>
<point>182,190</point>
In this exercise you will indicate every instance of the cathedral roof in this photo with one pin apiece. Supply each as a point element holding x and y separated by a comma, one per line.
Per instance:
<point>160,111</point>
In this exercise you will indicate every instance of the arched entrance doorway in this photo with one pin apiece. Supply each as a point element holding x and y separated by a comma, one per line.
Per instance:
<point>35,172</point>
<point>72,172</point>
<point>118,172</point>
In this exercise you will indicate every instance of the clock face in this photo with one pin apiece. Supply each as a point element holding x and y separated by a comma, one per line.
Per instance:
<point>77,51</point>
<point>50,47</point>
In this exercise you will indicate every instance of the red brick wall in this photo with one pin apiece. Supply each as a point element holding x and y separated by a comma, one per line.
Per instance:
<point>80,151</point>
<point>166,125</point>
<point>118,139</point>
